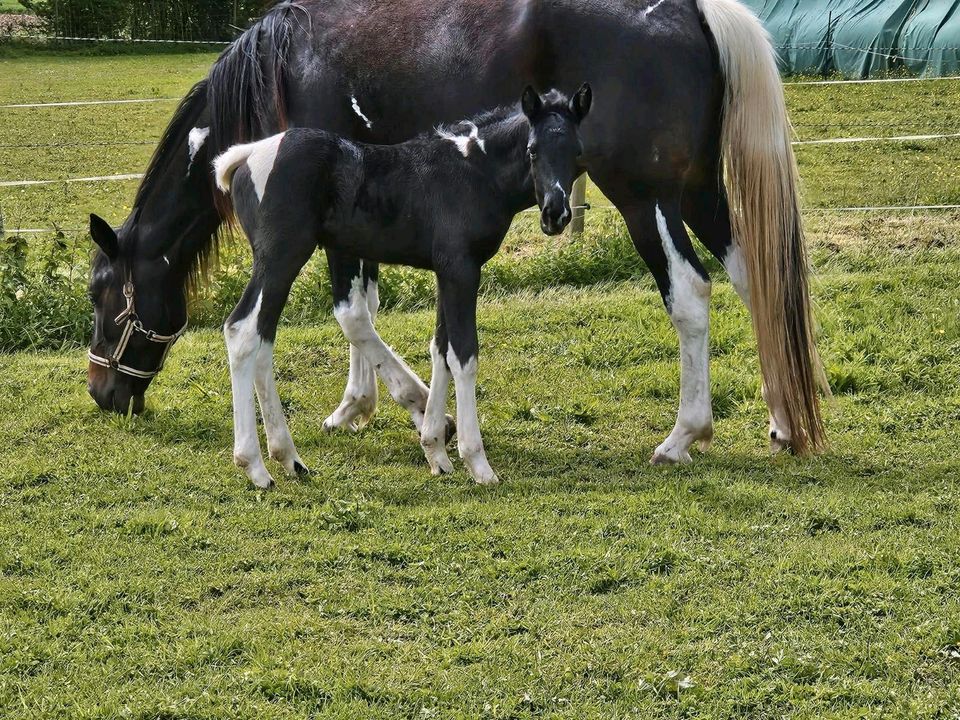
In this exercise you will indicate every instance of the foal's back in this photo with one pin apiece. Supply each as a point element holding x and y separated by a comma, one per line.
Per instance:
<point>383,203</point>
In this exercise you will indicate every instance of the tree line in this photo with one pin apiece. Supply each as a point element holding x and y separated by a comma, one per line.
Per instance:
<point>147,19</point>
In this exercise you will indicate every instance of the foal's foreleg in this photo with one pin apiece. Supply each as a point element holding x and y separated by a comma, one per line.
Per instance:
<point>433,435</point>
<point>660,237</point>
<point>458,296</point>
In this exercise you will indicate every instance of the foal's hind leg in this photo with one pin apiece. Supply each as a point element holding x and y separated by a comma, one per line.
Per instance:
<point>353,313</point>
<point>360,395</point>
<point>707,212</point>
<point>250,332</point>
<point>660,237</point>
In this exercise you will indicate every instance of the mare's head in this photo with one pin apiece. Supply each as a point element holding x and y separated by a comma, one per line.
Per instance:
<point>554,149</point>
<point>140,309</point>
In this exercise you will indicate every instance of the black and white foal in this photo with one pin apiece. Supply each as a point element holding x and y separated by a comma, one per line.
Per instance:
<point>442,201</point>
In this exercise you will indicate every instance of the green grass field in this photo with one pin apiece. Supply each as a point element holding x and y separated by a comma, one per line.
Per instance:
<point>140,578</point>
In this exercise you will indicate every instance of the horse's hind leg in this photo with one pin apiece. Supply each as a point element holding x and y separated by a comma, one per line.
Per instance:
<point>250,332</point>
<point>352,310</point>
<point>360,395</point>
<point>661,239</point>
<point>706,211</point>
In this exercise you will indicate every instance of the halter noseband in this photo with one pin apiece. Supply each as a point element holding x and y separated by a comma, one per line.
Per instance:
<point>131,324</point>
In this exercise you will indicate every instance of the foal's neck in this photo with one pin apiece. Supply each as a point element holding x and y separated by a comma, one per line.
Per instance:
<point>505,146</point>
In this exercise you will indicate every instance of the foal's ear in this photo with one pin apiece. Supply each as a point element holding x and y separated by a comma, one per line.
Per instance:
<point>531,102</point>
<point>581,102</point>
<point>104,236</point>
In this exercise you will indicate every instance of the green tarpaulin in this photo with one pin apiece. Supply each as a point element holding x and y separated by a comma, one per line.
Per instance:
<point>858,38</point>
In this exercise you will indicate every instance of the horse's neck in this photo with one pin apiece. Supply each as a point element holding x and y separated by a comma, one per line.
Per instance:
<point>178,220</point>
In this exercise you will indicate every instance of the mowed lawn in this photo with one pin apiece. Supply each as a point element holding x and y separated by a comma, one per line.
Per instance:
<point>139,577</point>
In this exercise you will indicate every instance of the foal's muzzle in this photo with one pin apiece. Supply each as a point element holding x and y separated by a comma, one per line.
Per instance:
<point>555,215</point>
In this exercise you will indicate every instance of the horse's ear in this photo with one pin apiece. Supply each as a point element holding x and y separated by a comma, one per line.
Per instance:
<point>530,102</point>
<point>104,236</point>
<point>581,102</point>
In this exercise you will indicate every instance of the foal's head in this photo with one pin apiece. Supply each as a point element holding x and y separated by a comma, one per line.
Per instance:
<point>139,306</point>
<point>554,149</point>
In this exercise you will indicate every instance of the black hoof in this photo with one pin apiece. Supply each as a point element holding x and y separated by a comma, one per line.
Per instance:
<point>451,429</point>
<point>301,470</point>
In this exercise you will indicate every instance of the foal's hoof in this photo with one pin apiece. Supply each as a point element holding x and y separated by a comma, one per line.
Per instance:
<point>451,429</point>
<point>301,470</point>
<point>331,425</point>
<point>671,457</point>
<point>487,480</point>
<point>260,483</point>
<point>441,466</point>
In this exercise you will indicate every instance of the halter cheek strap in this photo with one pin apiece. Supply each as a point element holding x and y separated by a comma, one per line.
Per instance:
<point>131,324</point>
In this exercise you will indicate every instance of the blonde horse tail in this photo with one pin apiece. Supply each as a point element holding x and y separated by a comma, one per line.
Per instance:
<point>762,184</point>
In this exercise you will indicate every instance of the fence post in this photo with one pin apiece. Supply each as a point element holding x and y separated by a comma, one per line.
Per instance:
<point>578,198</point>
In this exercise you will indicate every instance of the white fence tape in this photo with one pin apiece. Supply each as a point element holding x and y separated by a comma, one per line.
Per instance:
<point>79,103</point>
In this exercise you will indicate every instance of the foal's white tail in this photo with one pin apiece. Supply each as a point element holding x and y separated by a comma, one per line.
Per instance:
<point>260,153</point>
<point>761,178</point>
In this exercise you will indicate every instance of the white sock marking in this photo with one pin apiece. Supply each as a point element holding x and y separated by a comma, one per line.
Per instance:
<point>279,441</point>
<point>469,440</point>
<point>433,437</point>
<point>243,345</point>
<point>689,306</point>
<point>355,319</point>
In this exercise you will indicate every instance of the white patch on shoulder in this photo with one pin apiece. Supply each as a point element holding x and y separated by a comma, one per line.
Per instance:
<point>463,142</point>
<point>261,162</point>
<point>356,108</point>
<point>653,7</point>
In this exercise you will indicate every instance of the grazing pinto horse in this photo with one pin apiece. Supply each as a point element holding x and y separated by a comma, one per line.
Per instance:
<point>691,128</point>
<point>442,202</point>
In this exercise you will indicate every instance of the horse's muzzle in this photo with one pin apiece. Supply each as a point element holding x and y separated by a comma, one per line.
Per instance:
<point>111,395</point>
<point>552,222</point>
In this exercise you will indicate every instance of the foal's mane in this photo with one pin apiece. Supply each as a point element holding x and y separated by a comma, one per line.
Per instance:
<point>503,116</point>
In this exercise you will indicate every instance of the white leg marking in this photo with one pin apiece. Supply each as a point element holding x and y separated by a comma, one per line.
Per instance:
<point>356,108</point>
<point>779,431</point>
<point>279,441</point>
<point>359,396</point>
<point>469,441</point>
<point>405,387</point>
<point>689,306</point>
<point>433,436</point>
<point>243,345</point>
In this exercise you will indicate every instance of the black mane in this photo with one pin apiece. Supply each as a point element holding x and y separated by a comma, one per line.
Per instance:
<point>174,137</point>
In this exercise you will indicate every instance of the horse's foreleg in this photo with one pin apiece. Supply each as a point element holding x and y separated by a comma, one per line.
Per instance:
<point>707,212</point>
<point>659,235</point>
<point>458,296</point>
<point>433,435</point>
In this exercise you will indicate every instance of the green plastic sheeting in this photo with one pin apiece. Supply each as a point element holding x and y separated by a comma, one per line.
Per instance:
<point>859,38</point>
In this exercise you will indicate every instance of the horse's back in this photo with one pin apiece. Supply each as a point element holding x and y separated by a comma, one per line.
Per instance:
<point>384,70</point>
